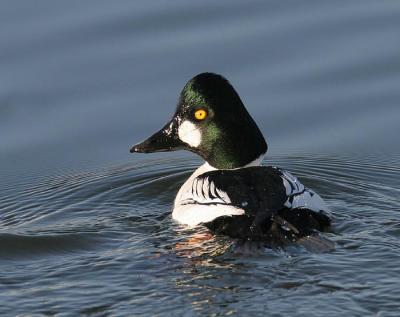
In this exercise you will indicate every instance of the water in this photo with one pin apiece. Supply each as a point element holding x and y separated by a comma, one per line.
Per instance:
<point>85,227</point>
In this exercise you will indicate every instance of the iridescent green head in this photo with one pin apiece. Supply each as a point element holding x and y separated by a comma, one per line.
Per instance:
<point>210,120</point>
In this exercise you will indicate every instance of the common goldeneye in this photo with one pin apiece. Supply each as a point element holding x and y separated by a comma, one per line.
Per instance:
<point>231,193</point>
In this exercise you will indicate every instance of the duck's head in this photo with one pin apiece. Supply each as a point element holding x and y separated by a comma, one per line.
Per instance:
<point>210,120</point>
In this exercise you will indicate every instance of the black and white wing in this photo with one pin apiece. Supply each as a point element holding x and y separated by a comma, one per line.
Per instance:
<point>200,200</point>
<point>275,204</point>
<point>299,196</point>
<point>253,189</point>
<point>203,191</point>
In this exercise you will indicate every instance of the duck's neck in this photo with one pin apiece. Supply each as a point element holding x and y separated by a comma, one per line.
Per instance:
<point>256,162</point>
<point>235,149</point>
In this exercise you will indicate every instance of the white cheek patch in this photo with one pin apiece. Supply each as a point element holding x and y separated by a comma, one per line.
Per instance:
<point>189,133</point>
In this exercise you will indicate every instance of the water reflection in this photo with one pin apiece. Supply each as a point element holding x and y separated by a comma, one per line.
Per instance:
<point>116,223</point>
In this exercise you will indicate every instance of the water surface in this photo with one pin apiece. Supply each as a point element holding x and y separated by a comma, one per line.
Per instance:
<point>85,227</point>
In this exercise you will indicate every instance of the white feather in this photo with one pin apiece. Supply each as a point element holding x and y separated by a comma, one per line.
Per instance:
<point>186,211</point>
<point>302,197</point>
<point>193,215</point>
<point>189,133</point>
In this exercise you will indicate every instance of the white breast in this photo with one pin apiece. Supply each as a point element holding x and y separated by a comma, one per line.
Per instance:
<point>192,215</point>
<point>194,192</point>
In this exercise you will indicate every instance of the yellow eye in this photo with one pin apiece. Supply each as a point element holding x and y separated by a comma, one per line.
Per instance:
<point>200,114</point>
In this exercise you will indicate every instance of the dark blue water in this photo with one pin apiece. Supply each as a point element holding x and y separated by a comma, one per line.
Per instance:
<point>85,227</point>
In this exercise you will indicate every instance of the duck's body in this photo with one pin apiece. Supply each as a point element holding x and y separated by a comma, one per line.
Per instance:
<point>232,193</point>
<point>254,202</point>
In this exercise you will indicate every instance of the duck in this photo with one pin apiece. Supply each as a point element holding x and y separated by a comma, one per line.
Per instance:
<point>232,193</point>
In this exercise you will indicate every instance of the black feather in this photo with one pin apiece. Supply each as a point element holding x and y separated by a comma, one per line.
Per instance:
<point>260,192</point>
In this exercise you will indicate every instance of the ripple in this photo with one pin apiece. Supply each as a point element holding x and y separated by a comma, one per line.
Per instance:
<point>14,246</point>
<point>113,226</point>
